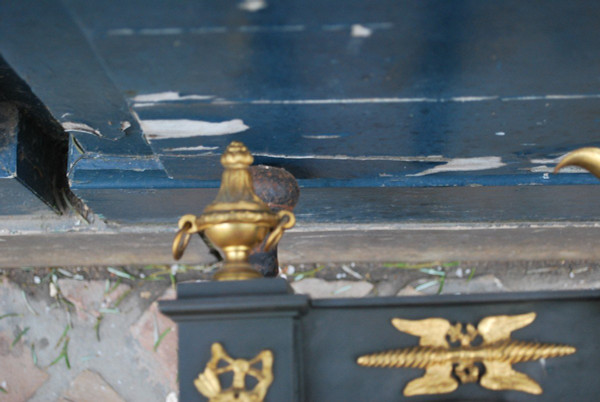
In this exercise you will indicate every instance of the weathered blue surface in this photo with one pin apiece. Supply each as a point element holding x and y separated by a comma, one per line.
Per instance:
<point>346,95</point>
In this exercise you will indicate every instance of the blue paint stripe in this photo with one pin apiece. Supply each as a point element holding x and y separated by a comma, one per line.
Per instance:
<point>122,179</point>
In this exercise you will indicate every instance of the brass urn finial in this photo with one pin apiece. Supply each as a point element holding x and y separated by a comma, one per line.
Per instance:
<point>237,220</point>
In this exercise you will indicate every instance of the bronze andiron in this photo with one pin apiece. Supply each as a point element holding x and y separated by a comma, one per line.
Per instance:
<point>237,220</point>
<point>257,341</point>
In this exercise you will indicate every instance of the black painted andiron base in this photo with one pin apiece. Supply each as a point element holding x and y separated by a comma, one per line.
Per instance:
<point>256,339</point>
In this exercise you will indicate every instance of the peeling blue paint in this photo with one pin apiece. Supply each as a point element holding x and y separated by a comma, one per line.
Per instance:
<point>435,81</point>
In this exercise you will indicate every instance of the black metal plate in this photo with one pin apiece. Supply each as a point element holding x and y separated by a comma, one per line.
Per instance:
<point>338,332</point>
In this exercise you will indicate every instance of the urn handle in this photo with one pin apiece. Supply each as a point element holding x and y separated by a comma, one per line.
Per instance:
<point>587,158</point>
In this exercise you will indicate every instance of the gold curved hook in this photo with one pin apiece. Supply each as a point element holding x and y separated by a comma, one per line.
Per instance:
<point>587,158</point>
<point>187,227</point>
<point>286,220</point>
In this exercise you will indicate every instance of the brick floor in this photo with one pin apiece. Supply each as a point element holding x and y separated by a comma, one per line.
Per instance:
<point>159,359</point>
<point>89,386</point>
<point>18,375</point>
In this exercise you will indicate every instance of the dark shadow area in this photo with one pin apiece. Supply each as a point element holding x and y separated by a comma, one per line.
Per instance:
<point>40,144</point>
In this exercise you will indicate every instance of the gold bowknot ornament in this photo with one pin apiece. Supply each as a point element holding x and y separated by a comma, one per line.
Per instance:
<point>237,220</point>
<point>209,385</point>
<point>450,357</point>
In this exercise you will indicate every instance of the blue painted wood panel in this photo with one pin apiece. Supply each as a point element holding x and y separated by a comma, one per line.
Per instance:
<point>346,95</point>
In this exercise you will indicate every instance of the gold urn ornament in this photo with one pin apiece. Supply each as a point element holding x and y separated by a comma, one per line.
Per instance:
<point>237,220</point>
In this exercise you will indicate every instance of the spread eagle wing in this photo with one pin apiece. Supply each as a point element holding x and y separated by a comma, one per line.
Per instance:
<point>499,327</point>
<point>501,376</point>
<point>437,380</point>
<point>432,331</point>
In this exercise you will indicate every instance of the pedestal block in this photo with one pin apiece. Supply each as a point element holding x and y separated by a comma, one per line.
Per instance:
<point>245,317</point>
